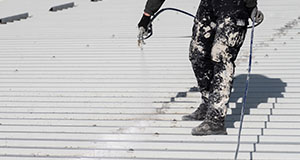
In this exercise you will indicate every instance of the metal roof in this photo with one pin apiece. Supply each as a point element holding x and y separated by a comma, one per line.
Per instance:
<point>75,86</point>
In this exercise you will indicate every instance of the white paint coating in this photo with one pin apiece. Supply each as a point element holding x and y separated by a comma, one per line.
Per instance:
<point>70,80</point>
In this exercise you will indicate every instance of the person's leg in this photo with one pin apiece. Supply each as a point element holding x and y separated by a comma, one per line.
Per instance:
<point>228,40</point>
<point>200,57</point>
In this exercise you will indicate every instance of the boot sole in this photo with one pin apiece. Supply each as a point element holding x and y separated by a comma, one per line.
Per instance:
<point>210,133</point>
<point>191,119</point>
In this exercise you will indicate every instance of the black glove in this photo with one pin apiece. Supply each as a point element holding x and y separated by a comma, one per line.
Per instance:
<point>144,22</point>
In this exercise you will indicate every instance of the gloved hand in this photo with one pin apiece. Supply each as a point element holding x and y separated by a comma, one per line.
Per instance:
<point>144,22</point>
<point>257,15</point>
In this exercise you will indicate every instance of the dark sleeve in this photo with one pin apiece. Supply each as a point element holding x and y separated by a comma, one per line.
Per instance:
<point>153,6</point>
<point>251,3</point>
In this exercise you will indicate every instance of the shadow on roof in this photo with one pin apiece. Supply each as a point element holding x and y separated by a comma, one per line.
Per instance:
<point>261,89</point>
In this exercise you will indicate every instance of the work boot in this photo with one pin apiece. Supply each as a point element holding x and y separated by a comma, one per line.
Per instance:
<point>213,124</point>
<point>197,115</point>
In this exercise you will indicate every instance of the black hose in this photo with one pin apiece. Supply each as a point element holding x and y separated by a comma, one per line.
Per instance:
<point>150,28</point>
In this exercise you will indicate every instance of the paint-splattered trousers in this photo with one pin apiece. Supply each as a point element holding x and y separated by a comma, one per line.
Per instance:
<point>218,33</point>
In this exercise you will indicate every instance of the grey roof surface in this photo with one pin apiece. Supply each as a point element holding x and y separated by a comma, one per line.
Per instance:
<point>75,86</point>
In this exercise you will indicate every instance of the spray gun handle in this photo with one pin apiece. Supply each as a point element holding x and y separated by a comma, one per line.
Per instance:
<point>141,38</point>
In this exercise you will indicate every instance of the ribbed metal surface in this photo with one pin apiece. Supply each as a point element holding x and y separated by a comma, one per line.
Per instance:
<point>75,86</point>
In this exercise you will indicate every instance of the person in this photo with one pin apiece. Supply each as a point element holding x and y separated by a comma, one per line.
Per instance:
<point>218,33</point>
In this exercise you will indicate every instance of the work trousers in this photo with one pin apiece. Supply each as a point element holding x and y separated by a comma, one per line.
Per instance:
<point>218,34</point>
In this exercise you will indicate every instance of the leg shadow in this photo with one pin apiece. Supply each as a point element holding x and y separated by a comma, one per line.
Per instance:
<point>261,88</point>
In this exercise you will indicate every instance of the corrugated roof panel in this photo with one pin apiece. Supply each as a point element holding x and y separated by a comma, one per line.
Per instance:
<point>75,86</point>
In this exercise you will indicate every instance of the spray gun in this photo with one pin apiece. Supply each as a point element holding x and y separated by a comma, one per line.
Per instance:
<point>147,33</point>
<point>143,35</point>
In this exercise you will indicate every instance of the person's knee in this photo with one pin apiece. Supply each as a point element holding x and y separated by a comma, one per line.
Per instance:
<point>220,53</point>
